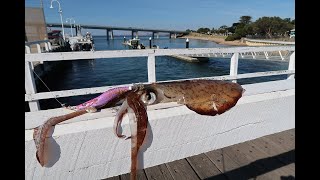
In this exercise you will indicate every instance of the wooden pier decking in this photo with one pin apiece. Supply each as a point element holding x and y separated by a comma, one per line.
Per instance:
<point>268,157</point>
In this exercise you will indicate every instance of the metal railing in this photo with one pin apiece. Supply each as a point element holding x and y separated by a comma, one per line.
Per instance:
<point>32,96</point>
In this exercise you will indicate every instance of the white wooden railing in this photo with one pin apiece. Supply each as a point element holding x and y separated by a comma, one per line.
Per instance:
<point>47,46</point>
<point>32,96</point>
<point>46,43</point>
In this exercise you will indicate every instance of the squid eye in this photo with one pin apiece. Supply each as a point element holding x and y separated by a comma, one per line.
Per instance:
<point>148,98</point>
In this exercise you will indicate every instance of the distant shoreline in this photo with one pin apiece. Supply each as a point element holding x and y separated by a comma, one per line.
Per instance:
<point>216,39</point>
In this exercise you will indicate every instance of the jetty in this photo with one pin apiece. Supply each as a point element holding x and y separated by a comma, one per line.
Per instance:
<point>242,142</point>
<point>190,59</point>
<point>263,42</point>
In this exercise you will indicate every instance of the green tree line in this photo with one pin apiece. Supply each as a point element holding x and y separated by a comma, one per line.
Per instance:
<point>266,27</point>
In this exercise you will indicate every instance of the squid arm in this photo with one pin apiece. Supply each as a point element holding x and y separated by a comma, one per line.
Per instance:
<point>106,99</point>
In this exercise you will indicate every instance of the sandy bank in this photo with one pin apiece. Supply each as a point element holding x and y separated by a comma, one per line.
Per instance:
<point>216,39</point>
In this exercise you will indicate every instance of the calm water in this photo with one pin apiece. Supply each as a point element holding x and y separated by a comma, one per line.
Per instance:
<point>115,71</point>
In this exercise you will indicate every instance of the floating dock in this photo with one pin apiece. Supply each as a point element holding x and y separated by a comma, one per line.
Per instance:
<point>190,59</point>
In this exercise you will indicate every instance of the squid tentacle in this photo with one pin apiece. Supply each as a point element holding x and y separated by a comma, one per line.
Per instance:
<point>41,132</point>
<point>138,126</point>
<point>106,99</point>
<point>118,119</point>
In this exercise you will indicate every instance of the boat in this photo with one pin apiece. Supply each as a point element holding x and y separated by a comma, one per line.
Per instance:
<point>55,37</point>
<point>80,42</point>
<point>134,44</point>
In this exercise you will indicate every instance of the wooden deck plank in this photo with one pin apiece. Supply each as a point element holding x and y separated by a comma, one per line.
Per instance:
<point>140,175</point>
<point>204,167</point>
<point>285,139</point>
<point>226,165</point>
<point>181,170</point>
<point>262,158</point>
<point>159,172</point>
<point>112,178</point>
<point>276,167</point>
<point>245,162</point>
<point>273,149</point>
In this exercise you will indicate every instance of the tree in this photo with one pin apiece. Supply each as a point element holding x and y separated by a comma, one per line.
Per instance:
<point>203,30</point>
<point>288,20</point>
<point>223,27</point>
<point>270,26</point>
<point>233,28</point>
<point>212,30</point>
<point>235,24</point>
<point>245,19</point>
<point>241,28</point>
<point>293,21</point>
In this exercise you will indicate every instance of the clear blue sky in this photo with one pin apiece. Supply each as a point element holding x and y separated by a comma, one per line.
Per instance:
<point>165,14</point>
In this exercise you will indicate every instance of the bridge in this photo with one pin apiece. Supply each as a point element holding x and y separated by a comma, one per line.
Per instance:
<point>134,31</point>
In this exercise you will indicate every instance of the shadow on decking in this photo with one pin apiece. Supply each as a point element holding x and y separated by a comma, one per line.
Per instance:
<point>260,167</point>
<point>287,178</point>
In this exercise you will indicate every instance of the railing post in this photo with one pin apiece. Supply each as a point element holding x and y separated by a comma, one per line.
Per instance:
<point>38,48</point>
<point>46,47</point>
<point>266,54</point>
<point>49,45</point>
<point>253,56</point>
<point>39,51</point>
<point>30,86</point>
<point>28,51</point>
<point>282,58</point>
<point>151,68</point>
<point>292,65</point>
<point>234,65</point>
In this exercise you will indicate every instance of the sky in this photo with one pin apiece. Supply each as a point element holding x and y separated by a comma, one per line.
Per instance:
<point>164,14</point>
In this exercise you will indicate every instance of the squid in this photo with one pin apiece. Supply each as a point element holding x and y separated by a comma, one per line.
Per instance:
<point>204,97</point>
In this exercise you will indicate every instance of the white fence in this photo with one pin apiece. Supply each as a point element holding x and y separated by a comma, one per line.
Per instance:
<point>32,96</point>
<point>46,43</point>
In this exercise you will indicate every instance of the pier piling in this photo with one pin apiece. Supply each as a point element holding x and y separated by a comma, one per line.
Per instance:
<point>107,34</point>
<point>150,42</point>
<point>187,43</point>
